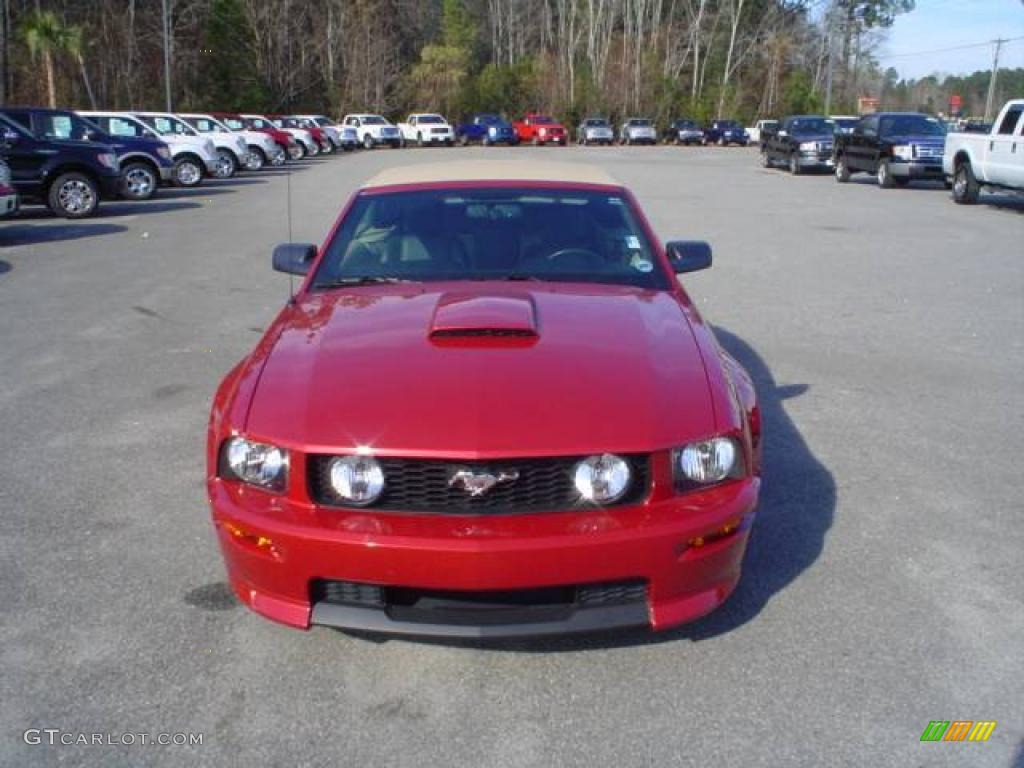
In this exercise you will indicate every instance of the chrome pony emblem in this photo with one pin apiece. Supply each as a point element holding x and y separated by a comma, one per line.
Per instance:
<point>479,483</point>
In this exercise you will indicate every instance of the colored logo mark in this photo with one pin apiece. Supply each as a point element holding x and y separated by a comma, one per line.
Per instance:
<point>958,730</point>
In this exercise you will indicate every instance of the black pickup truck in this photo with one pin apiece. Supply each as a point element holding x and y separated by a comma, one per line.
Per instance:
<point>895,147</point>
<point>70,176</point>
<point>800,142</point>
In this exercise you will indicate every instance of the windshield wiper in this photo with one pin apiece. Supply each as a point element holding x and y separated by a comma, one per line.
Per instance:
<point>340,282</point>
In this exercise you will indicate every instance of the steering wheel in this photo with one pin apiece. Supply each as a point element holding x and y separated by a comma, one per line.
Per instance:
<point>585,258</point>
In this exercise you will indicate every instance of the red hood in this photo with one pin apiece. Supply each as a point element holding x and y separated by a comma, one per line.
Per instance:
<point>479,369</point>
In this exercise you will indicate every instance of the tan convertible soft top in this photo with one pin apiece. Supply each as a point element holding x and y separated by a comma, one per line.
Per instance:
<point>491,170</point>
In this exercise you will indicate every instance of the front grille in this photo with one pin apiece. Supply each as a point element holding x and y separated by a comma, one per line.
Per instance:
<point>506,606</point>
<point>348,593</point>
<point>421,485</point>
<point>924,151</point>
<point>439,130</point>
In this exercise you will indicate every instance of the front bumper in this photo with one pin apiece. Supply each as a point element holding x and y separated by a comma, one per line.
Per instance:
<point>276,550</point>
<point>916,169</point>
<point>815,159</point>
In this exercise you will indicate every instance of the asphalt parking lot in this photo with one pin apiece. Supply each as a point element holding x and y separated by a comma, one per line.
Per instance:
<point>883,586</point>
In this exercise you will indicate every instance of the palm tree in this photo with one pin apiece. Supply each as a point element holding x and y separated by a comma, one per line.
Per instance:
<point>46,35</point>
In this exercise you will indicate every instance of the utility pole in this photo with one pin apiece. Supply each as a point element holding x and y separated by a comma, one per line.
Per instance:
<point>828,66</point>
<point>167,54</point>
<point>992,81</point>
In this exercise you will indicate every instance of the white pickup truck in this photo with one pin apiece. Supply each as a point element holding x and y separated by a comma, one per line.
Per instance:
<point>427,128</point>
<point>996,159</point>
<point>373,130</point>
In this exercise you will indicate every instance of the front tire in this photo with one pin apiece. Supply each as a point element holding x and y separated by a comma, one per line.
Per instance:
<point>296,151</point>
<point>794,164</point>
<point>884,174</point>
<point>766,162</point>
<point>368,142</point>
<point>73,196</point>
<point>966,189</point>
<point>842,170</point>
<point>419,140</point>
<point>138,181</point>
<point>226,165</point>
<point>256,159</point>
<point>188,172</point>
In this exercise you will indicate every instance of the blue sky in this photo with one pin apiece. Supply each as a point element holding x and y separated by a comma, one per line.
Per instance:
<point>943,24</point>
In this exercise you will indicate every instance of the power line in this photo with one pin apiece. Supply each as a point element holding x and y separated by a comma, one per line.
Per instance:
<point>984,44</point>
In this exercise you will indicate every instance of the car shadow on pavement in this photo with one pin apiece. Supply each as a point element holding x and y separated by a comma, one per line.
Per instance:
<point>29,234</point>
<point>795,512</point>
<point>1002,201</point>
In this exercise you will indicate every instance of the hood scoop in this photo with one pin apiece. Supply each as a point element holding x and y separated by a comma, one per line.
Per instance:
<point>493,319</point>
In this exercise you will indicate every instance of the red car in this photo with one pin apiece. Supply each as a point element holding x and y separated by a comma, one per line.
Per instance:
<point>490,410</point>
<point>536,128</point>
<point>283,139</point>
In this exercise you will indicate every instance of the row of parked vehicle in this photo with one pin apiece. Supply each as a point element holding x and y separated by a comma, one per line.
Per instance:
<point>70,161</point>
<point>900,147</point>
<point>535,128</point>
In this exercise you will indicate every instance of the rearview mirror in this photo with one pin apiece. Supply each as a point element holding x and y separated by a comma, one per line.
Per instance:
<point>688,255</point>
<point>294,258</point>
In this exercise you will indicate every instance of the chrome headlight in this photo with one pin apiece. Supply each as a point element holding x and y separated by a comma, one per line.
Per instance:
<point>708,461</point>
<point>903,152</point>
<point>358,480</point>
<point>258,464</point>
<point>492,130</point>
<point>602,479</point>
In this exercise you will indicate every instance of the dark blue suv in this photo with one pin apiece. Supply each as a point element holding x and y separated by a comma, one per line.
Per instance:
<point>70,176</point>
<point>725,132</point>
<point>486,129</point>
<point>145,161</point>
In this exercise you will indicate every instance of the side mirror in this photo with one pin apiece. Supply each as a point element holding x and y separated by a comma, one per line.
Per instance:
<point>10,136</point>
<point>688,255</point>
<point>294,258</point>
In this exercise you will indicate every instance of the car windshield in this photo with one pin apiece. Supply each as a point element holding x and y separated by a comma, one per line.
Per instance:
<point>487,119</point>
<point>808,126</point>
<point>909,125</point>
<point>843,123</point>
<point>731,125</point>
<point>373,120</point>
<point>122,126</point>
<point>596,122</point>
<point>541,120</point>
<point>323,121</point>
<point>640,122</point>
<point>685,124</point>
<point>564,235</point>
<point>62,125</point>
<point>205,125</point>
<point>168,125</point>
<point>429,120</point>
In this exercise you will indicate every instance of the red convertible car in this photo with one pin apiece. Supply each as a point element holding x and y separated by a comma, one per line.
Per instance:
<point>490,410</point>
